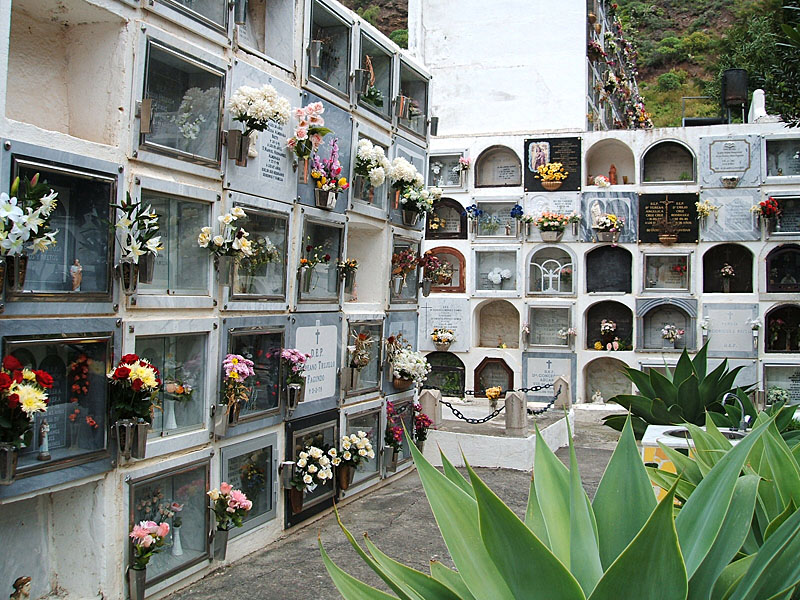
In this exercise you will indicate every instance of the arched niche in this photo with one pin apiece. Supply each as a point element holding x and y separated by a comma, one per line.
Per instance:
<point>610,311</point>
<point>447,222</point>
<point>498,166</point>
<point>656,314</point>
<point>736,256</point>
<point>668,162</point>
<point>783,329</point>
<point>605,375</point>
<point>605,153</point>
<point>608,269</point>
<point>498,324</point>
<point>783,269</point>
<point>447,373</point>
<point>551,271</point>
<point>492,372</point>
<point>458,265</point>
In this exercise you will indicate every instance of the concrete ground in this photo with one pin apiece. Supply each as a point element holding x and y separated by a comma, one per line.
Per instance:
<point>399,521</point>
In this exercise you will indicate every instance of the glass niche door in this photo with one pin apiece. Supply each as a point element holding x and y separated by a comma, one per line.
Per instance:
<point>263,275</point>
<point>368,335</point>
<point>319,282</point>
<point>378,63</point>
<point>251,466</point>
<point>329,49</point>
<point>369,422</point>
<point>263,347</point>
<point>323,436</point>
<point>182,362</point>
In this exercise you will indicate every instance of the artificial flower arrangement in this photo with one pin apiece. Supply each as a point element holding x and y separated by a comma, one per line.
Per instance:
<point>359,350</point>
<point>137,230</point>
<point>567,332</point>
<point>490,224</point>
<point>373,96</point>
<point>594,50</point>
<point>255,108</point>
<point>767,209</point>
<point>493,394</point>
<point>310,130</point>
<point>419,199</point>
<point>464,163</point>
<point>551,222</point>
<point>551,172</point>
<point>422,423</point>
<point>443,274</point>
<point>25,217</point>
<point>23,393</point>
<point>610,222</point>
<point>197,106</point>
<point>777,394</point>
<point>263,252</point>
<point>148,539</point>
<point>497,275</point>
<point>404,175</point>
<point>371,163</point>
<point>516,212</point>
<point>395,343</point>
<point>295,363</point>
<point>436,222</point>
<point>410,366</point>
<point>404,262</point>
<point>356,449</point>
<point>705,209</point>
<point>680,268</point>
<point>135,383</point>
<point>440,335</point>
<point>179,390</point>
<point>314,256</point>
<point>231,239</point>
<point>314,466</point>
<point>607,327</point>
<point>238,370</point>
<point>671,333</point>
<point>727,272</point>
<point>615,344</point>
<point>230,506</point>
<point>430,265</point>
<point>327,173</point>
<point>393,436</point>
<point>347,267</point>
<point>472,212</point>
<point>776,327</point>
<point>602,181</point>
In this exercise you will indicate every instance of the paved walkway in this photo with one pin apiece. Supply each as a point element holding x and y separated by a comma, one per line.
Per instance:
<point>399,521</point>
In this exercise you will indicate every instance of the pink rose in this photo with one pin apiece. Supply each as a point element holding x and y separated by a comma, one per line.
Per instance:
<point>299,114</point>
<point>247,505</point>
<point>238,499</point>
<point>138,532</point>
<point>163,530</point>
<point>316,108</point>
<point>301,133</point>
<point>225,488</point>
<point>291,142</point>
<point>316,141</point>
<point>146,541</point>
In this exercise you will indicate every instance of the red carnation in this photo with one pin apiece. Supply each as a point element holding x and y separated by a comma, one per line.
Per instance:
<point>129,358</point>
<point>11,364</point>
<point>122,373</point>
<point>327,257</point>
<point>137,384</point>
<point>44,379</point>
<point>308,248</point>
<point>18,376</point>
<point>13,401</point>
<point>5,381</point>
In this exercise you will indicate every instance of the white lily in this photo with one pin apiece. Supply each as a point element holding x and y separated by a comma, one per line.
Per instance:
<point>9,208</point>
<point>49,201</point>
<point>154,244</point>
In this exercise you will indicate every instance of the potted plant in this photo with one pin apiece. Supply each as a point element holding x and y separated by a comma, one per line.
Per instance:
<point>409,368</point>
<point>314,466</point>
<point>422,423</point>
<point>175,391</point>
<point>608,227</point>
<point>358,357</point>
<point>355,449</point>
<point>403,263</point>
<point>294,362</point>
<point>670,334</point>
<point>315,255</point>
<point>25,225</point>
<point>147,538</point>
<point>768,211</point>
<point>307,136</point>
<point>255,108</point>
<point>23,394</point>
<point>442,338</point>
<point>136,232</point>
<point>552,175</point>
<point>347,271</point>
<point>328,179</point>
<point>726,273</point>
<point>392,437</point>
<point>551,226</point>
<point>498,276</point>
<point>430,265</point>
<point>230,245</point>
<point>403,176</point>
<point>473,214</point>
<point>134,385</point>
<point>370,170</point>
<point>235,392</point>
<point>778,395</point>
<point>230,507</point>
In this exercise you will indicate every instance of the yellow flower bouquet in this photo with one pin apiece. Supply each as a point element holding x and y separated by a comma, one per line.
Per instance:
<point>551,172</point>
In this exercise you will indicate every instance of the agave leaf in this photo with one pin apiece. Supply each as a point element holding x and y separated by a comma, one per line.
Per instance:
<point>665,480</point>
<point>683,370</point>
<point>778,521</point>
<point>413,582</point>
<point>730,577</point>
<point>686,467</point>
<point>650,568</point>
<point>700,362</point>
<point>350,587</point>
<point>730,539</point>
<point>689,399</point>
<point>534,518</point>
<point>529,568</point>
<point>707,450</point>
<point>708,384</point>
<point>712,430</point>
<point>624,477</point>
<point>785,471</point>
<point>456,513</point>
<point>451,579</point>
<point>663,388</point>
<point>551,480</point>
<point>700,519</point>
<point>618,422</point>
<point>650,409</point>
<point>455,475</point>
<point>641,381</point>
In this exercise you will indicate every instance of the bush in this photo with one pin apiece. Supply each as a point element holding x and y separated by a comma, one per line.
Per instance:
<point>667,51</point>
<point>400,37</point>
<point>370,14</point>
<point>696,42</point>
<point>668,81</point>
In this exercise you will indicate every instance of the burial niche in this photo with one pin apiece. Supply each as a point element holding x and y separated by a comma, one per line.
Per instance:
<point>783,269</point>
<point>498,166</point>
<point>657,319</point>
<point>493,372</point>
<point>451,276</point>
<point>618,326</point>
<point>447,222</point>
<point>447,373</point>
<point>715,269</point>
<point>551,272</point>
<point>783,329</point>
<point>605,378</point>
<point>608,269</point>
<point>668,162</point>
<point>604,155</point>
<point>498,325</point>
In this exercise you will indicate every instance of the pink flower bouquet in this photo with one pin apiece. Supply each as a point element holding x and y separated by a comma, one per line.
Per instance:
<point>310,130</point>
<point>148,539</point>
<point>295,362</point>
<point>230,506</point>
<point>238,370</point>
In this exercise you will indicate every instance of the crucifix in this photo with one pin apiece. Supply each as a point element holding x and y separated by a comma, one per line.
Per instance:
<point>317,332</point>
<point>549,364</point>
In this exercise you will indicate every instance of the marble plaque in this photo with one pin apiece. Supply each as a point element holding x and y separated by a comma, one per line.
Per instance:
<point>270,173</point>
<point>738,156</point>
<point>539,152</point>
<point>493,374</point>
<point>622,204</point>
<point>786,377</point>
<point>545,324</point>
<point>542,368</point>
<point>655,320</point>
<point>498,323</point>
<point>733,221</point>
<point>606,376</point>
<point>452,313</point>
<point>679,209</point>
<point>500,168</point>
<point>729,331</point>
<point>321,342</point>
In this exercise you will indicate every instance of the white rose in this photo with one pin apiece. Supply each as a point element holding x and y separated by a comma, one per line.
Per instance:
<point>346,455</point>
<point>324,461</point>
<point>362,452</point>
<point>332,452</point>
<point>218,240</point>
<point>227,218</point>
<point>370,454</point>
<point>307,478</point>
<point>312,468</point>
<point>336,461</point>
<point>303,455</point>
<point>302,463</point>
<point>238,212</point>
<point>362,434</point>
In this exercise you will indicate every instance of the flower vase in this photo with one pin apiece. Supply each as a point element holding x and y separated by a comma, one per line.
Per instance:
<point>15,271</point>
<point>296,500</point>
<point>667,344</point>
<point>401,385</point>
<point>726,285</point>
<point>575,229</point>
<point>128,273</point>
<point>426,287</point>
<point>608,236</point>
<point>234,412</point>
<point>131,438</point>
<point>391,463</point>
<point>295,393</point>
<point>147,267</point>
<point>552,236</point>
<point>442,346</point>
<point>225,265</point>
<point>136,582</point>
<point>351,375</point>
<point>420,444</point>
<point>551,186</point>
<point>528,230</point>
<point>410,218</point>
<point>169,414</point>
<point>306,279</point>
<point>302,171</point>
<point>344,476</point>
<point>349,281</point>
<point>667,239</point>
<point>221,544</point>
<point>8,463</point>
<point>397,285</point>
<point>177,546</point>
<point>473,226</point>
<point>324,199</point>
<point>220,420</point>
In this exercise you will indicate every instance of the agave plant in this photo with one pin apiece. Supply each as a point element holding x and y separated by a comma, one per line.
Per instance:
<point>568,548</point>
<point>683,395</point>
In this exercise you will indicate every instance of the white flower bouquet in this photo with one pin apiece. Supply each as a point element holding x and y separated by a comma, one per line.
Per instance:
<point>25,216</point>
<point>671,333</point>
<point>410,365</point>
<point>497,275</point>
<point>197,107</point>
<point>371,163</point>
<point>136,230</point>
<point>567,332</point>
<point>256,107</point>
<point>777,394</point>
<point>356,449</point>
<point>314,467</point>
<point>419,199</point>
<point>403,175</point>
<point>441,335</point>
<point>231,239</point>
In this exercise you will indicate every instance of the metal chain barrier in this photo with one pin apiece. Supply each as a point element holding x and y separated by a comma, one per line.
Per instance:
<point>459,415</point>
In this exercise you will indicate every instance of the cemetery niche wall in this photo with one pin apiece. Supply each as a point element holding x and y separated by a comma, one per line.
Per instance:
<point>731,218</point>
<point>729,329</point>
<point>783,269</point>
<point>657,315</point>
<point>612,159</point>
<point>605,378</point>
<point>447,373</point>
<point>668,219</point>
<point>498,166</point>
<point>543,151</point>
<point>551,271</point>
<point>447,222</point>
<point>595,205</point>
<point>453,278</point>
<point>783,329</point>
<point>736,279</point>
<point>668,162</point>
<point>492,372</point>
<point>616,333</point>
<point>731,161</point>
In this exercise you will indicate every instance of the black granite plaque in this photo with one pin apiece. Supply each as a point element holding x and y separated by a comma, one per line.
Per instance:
<point>679,209</point>
<point>567,151</point>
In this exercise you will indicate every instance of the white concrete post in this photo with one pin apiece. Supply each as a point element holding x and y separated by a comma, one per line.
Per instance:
<point>430,400</point>
<point>516,414</point>
<point>564,400</point>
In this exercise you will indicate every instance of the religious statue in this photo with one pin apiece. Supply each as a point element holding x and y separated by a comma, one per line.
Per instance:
<point>612,174</point>
<point>597,398</point>
<point>597,213</point>
<point>76,272</point>
<point>44,443</point>
<point>22,589</point>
